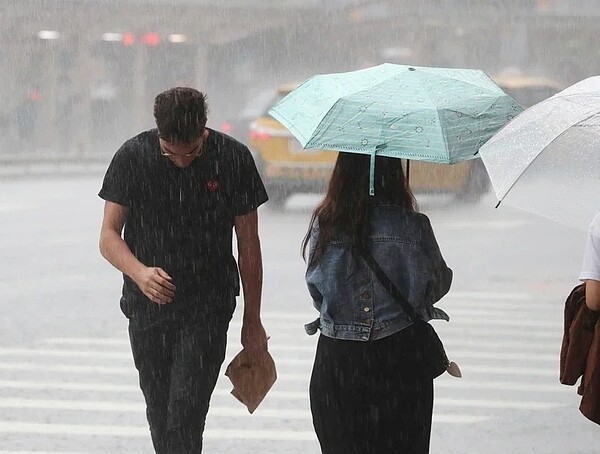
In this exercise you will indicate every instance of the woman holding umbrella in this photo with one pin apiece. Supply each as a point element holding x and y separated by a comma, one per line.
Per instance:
<point>371,389</point>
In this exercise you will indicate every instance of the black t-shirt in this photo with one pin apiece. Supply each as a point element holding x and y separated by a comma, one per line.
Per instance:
<point>181,220</point>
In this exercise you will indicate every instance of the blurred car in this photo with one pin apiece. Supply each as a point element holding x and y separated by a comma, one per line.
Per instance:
<point>256,101</point>
<point>285,166</point>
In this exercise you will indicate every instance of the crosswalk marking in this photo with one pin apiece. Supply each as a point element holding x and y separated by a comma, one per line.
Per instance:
<point>498,404</point>
<point>66,368</point>
<point>136,431</point>
<point>8,427</point>
<point>275,346</point>
<point>274,394</point>
<point>508,352</point>
<point>64,353</point>
<point>487,225</point>
<point>138,407</point>
<point>484,323</point>
<point>525,356</point>
<point>467,369</point>
<point>41,452</point>
<point>487,315</point>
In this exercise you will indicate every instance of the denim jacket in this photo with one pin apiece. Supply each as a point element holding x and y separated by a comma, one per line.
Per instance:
<point>352,303</point>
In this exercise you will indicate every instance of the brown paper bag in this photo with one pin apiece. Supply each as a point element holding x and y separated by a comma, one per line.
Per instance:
<point>252,377</point>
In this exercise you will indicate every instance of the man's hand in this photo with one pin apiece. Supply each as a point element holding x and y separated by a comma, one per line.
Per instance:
<point>156,284</point>
<point>254,337</point>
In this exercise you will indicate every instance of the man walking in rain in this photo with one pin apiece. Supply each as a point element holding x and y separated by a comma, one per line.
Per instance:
<point>179,191</point>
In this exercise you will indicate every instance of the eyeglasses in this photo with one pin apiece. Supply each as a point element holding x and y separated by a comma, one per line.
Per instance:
<point>197,152</point>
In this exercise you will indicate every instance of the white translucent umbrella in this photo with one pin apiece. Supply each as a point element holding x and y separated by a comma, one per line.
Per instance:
<point>547,160</point>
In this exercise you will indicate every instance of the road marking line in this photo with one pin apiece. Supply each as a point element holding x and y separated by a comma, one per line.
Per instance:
<point>65,353</point>
<point>276,394</point>
<point>508,370</point>
<point>224,390</point>
<point>514,296</point>
<point>288,361</point>
<point>10,427</point>
<point>483,322</point>
<point>103,341</point>
<point>458,419</point>
<point>143,432</point>
<point>42,452</point>
<point>518,348</point>
<point>487,332</point>
<point>476,225</point>
<point>496,404</point>
<point>504,386</point>
<point>493,314</point>
<point>310,346</point>
<point>530,357</point>
<point>309,342</point>
<point>72,369</point>
<point>130,371</point>
<point>134,407</point>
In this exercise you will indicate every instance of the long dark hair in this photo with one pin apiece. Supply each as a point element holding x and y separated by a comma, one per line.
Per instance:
<point>346,208</point>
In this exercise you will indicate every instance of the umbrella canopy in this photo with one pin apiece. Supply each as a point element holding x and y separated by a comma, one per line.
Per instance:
<point>547,160</point>
<point>440,115</point>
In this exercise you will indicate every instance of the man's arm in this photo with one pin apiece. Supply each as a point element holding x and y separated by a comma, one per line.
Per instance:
<point>154,282</point>
<point>592,294</point>
<point>254,338</point>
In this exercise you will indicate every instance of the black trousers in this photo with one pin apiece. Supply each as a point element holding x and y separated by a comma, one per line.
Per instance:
<point>371,397</point>
<point>178,363</point>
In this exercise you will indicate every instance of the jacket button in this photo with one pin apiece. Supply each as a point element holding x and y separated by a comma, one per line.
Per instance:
<point>365,295</point>
<point>366,309</point>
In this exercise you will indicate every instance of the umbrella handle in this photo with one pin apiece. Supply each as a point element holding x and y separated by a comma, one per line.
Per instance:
<point>372,172</point>
<point>372,167</point>
<point>407,171</point>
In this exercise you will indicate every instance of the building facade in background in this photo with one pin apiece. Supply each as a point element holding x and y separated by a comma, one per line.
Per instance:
<point>78,77</point>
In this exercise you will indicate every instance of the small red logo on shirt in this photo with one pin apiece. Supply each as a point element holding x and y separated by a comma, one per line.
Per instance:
<point>212,185</point>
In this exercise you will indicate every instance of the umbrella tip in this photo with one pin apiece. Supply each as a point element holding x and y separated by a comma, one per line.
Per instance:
<point>498,204</point>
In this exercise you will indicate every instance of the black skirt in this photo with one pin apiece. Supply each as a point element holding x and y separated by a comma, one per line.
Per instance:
<point>371,397</point>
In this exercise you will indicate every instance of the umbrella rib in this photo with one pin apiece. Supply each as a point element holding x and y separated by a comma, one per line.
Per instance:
<point>537,156</point>
<point>466,82</point>
<point>444,137</point>
<point>439,122</point>
<point>341,98</point>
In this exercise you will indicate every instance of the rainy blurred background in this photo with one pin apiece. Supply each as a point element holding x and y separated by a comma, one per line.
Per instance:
<point>78,78</point>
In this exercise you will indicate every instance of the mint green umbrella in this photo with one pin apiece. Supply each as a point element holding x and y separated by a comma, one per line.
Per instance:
<point>440,115</point>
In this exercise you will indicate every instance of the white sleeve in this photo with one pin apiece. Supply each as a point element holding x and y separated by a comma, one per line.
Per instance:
<point>591,254</point>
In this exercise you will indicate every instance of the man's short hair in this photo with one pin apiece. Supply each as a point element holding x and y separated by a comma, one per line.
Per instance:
<point>180,114</point>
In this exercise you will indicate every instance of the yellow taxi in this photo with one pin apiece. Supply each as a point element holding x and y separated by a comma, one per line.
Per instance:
<point>285,166</point>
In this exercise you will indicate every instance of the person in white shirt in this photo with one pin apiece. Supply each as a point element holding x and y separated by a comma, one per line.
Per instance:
<point>590,270</point>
